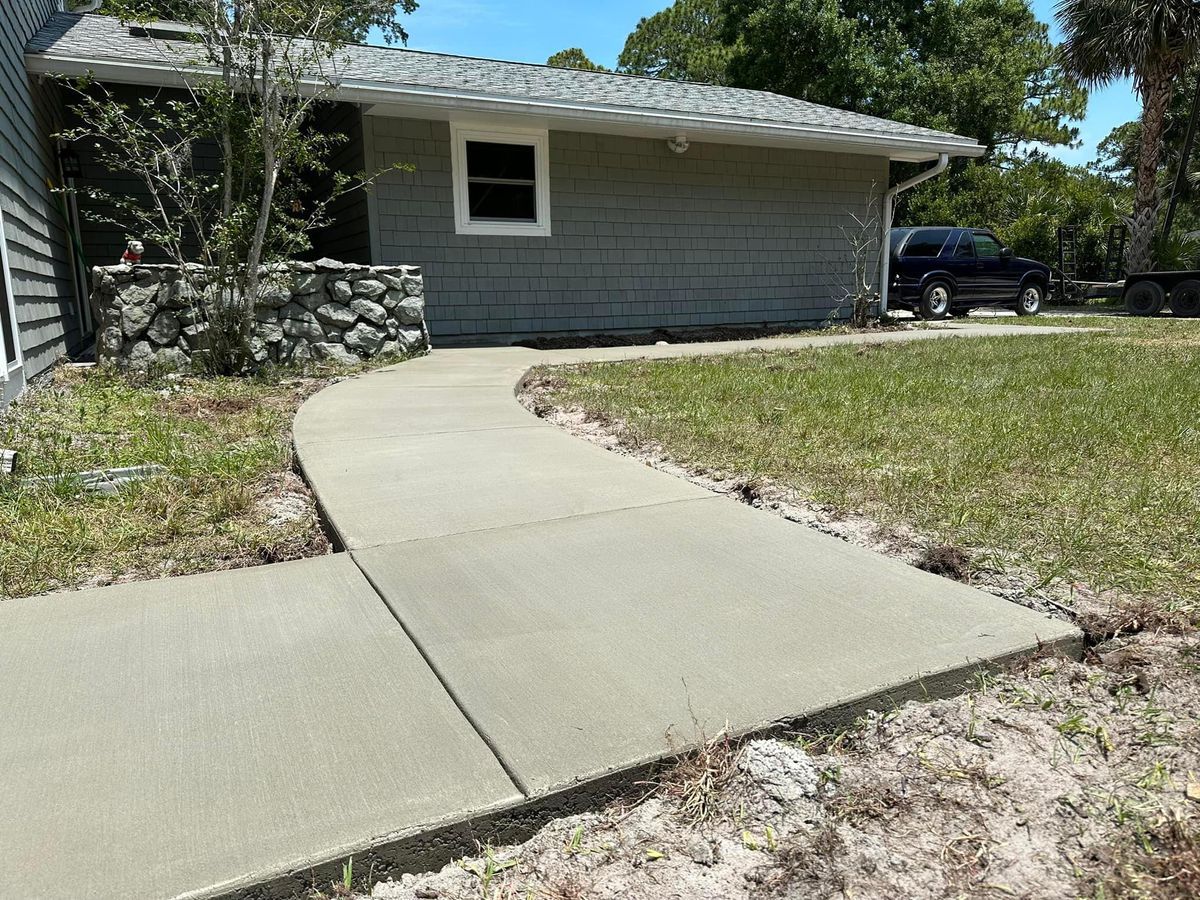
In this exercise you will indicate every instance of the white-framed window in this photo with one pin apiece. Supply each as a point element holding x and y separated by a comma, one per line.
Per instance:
<point>501,181</point>
<point>10,339</point>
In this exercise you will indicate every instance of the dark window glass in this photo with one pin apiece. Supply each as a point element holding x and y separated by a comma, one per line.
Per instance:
<point>501,182</point>
<point>897,235</point>
<point>965,249</point>
<point>506,161</point>
<point>502,202</point>
<point>926,242</point>
<point>6,324</point>
<point>986,246</point>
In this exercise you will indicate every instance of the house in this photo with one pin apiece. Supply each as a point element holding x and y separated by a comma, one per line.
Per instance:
<point>43,312</point>
<point>556,200</point>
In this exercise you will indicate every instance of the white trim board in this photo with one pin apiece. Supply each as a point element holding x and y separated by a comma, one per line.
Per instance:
<point>9,366</point>
<point>538,139</point>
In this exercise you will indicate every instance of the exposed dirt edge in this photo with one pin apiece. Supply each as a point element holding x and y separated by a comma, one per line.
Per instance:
<point>1008,581</point>
<point>429,850</point>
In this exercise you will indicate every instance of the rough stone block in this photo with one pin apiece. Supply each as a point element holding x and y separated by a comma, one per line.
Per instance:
<point>270,332</point>
<point>366,339</point>
<point>336,353</point>
<point>369,288</point>
<point>309,331</point>
<point>412,339</point>
<point>411,310</point>
<point>336,315</point>
<point>341,291</point>
<point>165,328</point>
<point>298,313</point>
<point>307,282</point>
<point>135,318</point>
<point>273,294</point>
<point>173,359</point>
<point>369,310</point>
<point>137,294</point>
<point>140,356</point>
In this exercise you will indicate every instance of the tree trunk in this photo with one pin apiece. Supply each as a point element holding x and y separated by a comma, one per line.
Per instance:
<point>1185,158</point>
<point>1156,98</point>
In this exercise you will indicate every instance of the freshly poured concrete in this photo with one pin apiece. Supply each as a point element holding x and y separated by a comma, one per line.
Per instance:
<point>563,611</point>
<point>416,486</point>
<point>581,606</point>
<point>577,645</point>
<point>195,734</point>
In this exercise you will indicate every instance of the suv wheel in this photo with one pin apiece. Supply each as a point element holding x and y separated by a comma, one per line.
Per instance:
<point>935,300</point>
<point>1030,303</point>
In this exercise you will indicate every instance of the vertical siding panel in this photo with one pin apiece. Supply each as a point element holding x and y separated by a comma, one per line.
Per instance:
<point>38,249</point>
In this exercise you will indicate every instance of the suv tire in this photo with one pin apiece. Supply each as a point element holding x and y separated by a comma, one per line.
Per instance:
<point>1030,301</point>
<point>935,300</point>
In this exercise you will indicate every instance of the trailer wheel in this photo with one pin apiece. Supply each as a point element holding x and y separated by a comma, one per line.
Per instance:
<point>1185,299</point>
<point>1145,298</point>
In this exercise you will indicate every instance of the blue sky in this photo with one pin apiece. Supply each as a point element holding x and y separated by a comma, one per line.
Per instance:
<point>531,30</point>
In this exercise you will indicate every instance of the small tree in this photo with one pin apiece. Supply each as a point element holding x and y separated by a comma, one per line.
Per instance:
<point>862,242</point>
<point>256,73</point>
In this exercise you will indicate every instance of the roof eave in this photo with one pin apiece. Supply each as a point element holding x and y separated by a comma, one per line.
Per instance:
<point>896,146</point>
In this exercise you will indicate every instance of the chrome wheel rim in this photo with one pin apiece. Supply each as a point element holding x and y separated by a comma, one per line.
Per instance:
<point>1031,299</point>
<point>939,299</point>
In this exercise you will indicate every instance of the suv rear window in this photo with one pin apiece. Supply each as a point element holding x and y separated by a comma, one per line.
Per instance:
<point>926,242</point>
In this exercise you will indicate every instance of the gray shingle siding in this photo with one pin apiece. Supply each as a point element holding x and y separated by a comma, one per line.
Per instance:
<point>347,238</point>
<point>642,237</point>
<point>38,251</point>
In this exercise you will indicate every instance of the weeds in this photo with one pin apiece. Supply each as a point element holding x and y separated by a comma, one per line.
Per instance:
<point>697,782</point>
<point>225,443</point>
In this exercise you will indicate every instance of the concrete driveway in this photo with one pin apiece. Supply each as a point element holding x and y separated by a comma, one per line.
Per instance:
<point>520,613</point>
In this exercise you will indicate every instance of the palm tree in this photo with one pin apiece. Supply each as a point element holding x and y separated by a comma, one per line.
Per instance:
<point>1152,42</point>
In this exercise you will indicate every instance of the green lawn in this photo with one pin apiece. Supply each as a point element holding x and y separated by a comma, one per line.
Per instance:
<point>1075,455</point>
<point>225,442</point>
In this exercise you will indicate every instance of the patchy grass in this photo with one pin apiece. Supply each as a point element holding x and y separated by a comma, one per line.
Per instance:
<point>230,498</point>
<point>1072,455</point>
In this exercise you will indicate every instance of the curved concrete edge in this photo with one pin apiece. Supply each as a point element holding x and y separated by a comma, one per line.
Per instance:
<point>452,385</point>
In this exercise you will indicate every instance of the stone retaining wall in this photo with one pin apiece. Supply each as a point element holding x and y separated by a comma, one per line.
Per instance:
<point>325,310</point>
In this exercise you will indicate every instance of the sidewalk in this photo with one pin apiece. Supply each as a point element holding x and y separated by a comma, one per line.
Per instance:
<point>519,614</point>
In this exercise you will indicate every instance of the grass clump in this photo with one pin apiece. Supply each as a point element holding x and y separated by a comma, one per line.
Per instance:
<point>1073,454</point>
<point>226,446</point>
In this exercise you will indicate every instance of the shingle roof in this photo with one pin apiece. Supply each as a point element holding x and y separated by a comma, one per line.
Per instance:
<point>102,38</point>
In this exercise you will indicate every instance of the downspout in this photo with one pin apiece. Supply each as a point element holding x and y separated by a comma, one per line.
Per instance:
<point>889,199</point>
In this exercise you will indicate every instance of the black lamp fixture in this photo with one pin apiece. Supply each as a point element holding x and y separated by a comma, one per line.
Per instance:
<point>69,162</point>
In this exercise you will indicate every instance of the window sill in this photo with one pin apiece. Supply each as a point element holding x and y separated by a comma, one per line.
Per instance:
<point>503,229</point>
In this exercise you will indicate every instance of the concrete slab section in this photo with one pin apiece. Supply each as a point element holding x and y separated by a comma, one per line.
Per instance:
<point>394,408</point>
<point>586,645</point>
<point>174,737</point>
<point>404,488</point>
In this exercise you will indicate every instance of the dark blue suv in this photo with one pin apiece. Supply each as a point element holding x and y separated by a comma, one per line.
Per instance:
<point>936,272</point>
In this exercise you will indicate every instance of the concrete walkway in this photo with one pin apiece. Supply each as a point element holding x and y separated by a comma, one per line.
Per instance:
<point>520,612</point>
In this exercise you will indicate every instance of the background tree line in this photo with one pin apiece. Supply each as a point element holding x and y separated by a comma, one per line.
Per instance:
<point>986,69</point>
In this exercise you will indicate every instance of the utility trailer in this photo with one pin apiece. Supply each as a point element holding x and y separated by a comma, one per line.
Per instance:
<point>1146,293</point>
